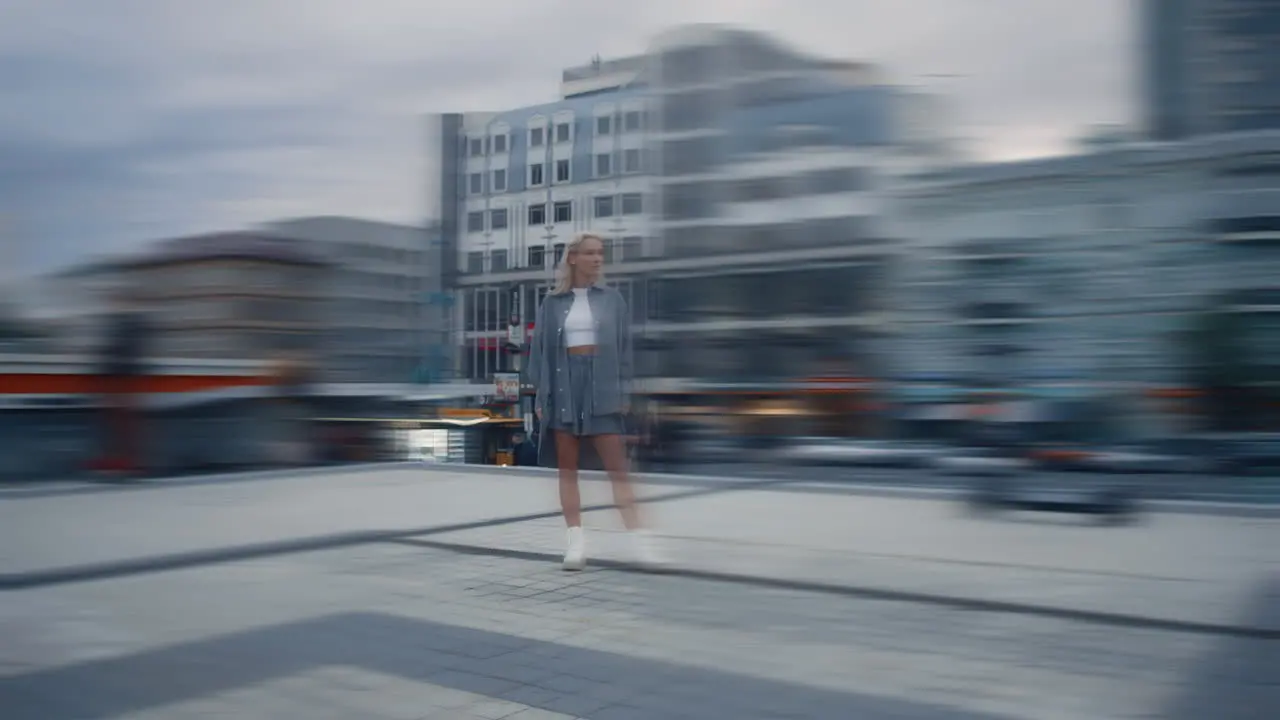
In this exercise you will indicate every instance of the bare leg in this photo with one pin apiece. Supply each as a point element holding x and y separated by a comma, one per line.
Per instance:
<point>615,463</point>
<point>567,460</point>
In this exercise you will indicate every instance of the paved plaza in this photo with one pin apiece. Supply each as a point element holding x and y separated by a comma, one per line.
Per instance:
<point>414,592</point>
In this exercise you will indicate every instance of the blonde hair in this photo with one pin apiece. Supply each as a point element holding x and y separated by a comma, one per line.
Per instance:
<point>564,271</point>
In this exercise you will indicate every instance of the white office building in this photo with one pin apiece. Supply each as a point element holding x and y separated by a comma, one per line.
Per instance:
<point>718,164</point>
<point>1091,267</point>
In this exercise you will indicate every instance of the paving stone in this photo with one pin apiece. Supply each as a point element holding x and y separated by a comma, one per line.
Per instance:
<point>495,709</point>
<point>396,632</point>
<point>539,714</point>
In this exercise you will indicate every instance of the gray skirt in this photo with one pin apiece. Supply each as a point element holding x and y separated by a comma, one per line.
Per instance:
<point>584,421</point>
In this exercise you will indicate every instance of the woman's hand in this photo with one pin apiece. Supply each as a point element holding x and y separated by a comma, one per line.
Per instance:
<point>538,412</point>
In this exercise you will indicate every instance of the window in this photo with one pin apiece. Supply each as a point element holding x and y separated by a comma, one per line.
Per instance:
<point>476,184</point>
<point>630,247</point>
<point>498,260</point>
<point>631,120</point>
<point>562,171</point>
<point>687,201</point>
<point>537,257</point>
<point>475,262</point>
<point>604,166</point>
<point>477,147</point>
<point>838,180</point>
<point>631,160</point>
<point>563,132</point>
<point>498,219</point>
<point>559,252</point>
<point>536,136</point>
<point>693,156</point>
<point>564,211</point>
<point>604,206</point>
<point>760,189</point>
<point>535,175</point>
<point>608,250</point>
<point>499,181</point>
<point>475,222</point>
<point>500,143</point>
<point>632,204</point>
<point>604,125</point>
<point>538,214</point>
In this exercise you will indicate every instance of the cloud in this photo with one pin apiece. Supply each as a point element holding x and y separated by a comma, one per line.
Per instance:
<point>137,119</point>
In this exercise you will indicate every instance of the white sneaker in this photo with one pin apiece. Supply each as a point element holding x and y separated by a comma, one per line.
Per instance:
<point>575,557</point>
<point>647,551</point>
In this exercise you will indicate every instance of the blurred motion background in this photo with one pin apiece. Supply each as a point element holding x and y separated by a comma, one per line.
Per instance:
<point>827,262</point>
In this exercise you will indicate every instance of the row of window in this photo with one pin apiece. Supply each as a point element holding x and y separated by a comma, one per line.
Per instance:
<point>561,132</point>
<point>604,165</point>
<point>622,249</point>
<point>491,309</point>
<point>604,206</point>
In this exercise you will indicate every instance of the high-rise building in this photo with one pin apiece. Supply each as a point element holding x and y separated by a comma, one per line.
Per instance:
<point>739,184</point>
<point>1210,66</point>
<point>515,186</point>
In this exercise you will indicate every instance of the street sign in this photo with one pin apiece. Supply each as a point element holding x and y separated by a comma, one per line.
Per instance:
<point>506,387</point>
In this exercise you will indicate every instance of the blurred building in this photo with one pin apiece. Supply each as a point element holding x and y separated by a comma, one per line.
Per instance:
<point>770,200</point>
<point>798,215</point>
<point>20,334</point>
<point>236,295</point>
<point>1091,267</point>
<point>1210,66</point>
<point>66,308</point>
<point>517,185</point>
<point>740,184</point>
<point>375,319</point>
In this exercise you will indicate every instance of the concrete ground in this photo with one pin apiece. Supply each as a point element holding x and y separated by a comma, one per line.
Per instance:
<point>413,592</point>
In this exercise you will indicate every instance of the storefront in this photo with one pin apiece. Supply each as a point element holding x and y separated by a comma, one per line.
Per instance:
<point>459,435</point>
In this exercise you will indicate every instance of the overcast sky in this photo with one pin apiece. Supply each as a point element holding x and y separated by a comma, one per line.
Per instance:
<point>123,121</point>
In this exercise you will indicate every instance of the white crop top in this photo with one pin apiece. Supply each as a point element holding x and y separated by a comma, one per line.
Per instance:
<point>579,325</point>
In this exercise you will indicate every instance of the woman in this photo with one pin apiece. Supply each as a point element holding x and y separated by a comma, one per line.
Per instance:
<point>580,365</point>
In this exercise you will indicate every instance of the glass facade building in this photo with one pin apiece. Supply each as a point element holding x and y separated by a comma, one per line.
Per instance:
<point>1210,66</point>
<point>795,214</point>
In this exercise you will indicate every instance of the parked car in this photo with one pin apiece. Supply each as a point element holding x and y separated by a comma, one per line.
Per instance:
<point>1249,453</point>
<point>979,462</point>
<point>865,453</point>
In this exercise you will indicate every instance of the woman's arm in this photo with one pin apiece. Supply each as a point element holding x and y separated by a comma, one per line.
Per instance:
<point>537,353</point>
<point>626,356</point>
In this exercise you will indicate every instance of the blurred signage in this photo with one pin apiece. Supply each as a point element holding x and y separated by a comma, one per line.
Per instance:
<point>506,387</point>
<point>515,334</point>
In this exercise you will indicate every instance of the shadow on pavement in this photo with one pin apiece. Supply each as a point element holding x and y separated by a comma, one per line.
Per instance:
<point>553,677</point>
<point>1240,678</point>
<point>114,569</point>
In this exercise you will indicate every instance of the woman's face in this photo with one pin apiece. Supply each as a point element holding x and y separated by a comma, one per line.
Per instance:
<point>588,259</point>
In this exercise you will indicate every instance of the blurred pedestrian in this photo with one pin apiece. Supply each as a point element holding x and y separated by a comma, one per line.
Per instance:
<point>293,442</point>
<point>525,453</point>
<point>121,372</point>
<point>580,364</point>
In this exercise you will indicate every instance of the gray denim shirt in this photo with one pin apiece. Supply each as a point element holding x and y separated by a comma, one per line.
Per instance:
<point>613,366</point>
